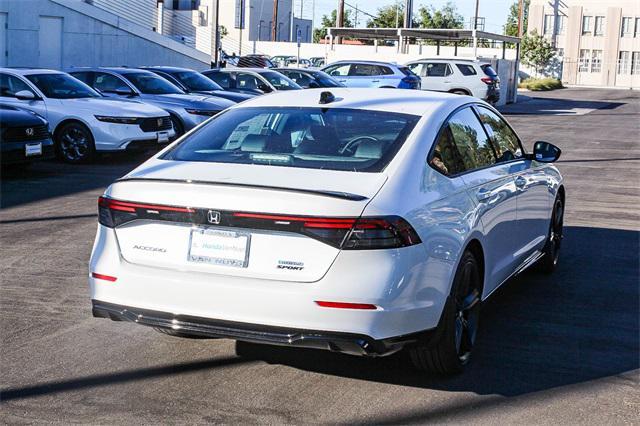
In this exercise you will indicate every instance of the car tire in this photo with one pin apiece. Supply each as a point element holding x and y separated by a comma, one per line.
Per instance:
<point>177,126</point>
<point>459,92</point>
<point>449,349</point>
<point>175,333</point>
<point>74,143</point>
<point>551,251</point>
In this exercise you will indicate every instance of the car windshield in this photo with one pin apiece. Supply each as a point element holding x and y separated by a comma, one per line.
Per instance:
<point>279,81</point>
<point>316,138</point>
<point>151,84</point>
<point>195,81</point>
<point>62,86</point>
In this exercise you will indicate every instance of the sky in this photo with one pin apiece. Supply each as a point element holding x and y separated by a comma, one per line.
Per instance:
<point>494,11</point>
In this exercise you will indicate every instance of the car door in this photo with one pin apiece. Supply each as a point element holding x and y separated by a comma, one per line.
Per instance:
<point>11,84</point>
<point>436,76</point>
<point>365,75</point>
<point>532,184</point>
<point>491,186</point>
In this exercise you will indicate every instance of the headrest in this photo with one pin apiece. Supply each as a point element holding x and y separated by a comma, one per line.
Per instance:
<point>369,149</point>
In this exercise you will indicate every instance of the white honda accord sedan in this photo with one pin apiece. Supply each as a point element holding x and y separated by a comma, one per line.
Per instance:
<point>81,120</point>
<point>361,221</point>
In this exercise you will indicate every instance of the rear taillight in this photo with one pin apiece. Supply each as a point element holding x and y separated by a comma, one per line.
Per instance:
<point>347,233</point>
<point>112,212</point>
<point>344,233</point>
<point>487,80</point>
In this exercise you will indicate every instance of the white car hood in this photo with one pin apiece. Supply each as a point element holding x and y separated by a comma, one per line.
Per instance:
<point>360,185</point>
<point>118,108</point>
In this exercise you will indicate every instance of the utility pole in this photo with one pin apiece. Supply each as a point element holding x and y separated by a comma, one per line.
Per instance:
<point>340,18</point>
<point>408,13</point>
<point>475,17</point>
<point>274,28</point>
<point>397,12</point>
<point>520,17</point>
<point>355,21</point>
<point>215,34</point>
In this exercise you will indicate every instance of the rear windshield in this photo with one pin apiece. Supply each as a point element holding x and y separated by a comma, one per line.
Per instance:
<point>316,138</point>
<point>488,70</point>
<point>406,71</point>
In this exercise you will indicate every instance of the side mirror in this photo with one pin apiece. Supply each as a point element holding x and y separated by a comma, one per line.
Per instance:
<point>25,95</point>
<point>313,85</point>
<point>124,91</point>
<point>544,152</point>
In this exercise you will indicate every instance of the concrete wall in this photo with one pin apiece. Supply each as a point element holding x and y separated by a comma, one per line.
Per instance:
<point>90,37</point>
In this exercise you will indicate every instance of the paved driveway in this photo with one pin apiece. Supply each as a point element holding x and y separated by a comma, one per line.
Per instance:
<point>551,350</point>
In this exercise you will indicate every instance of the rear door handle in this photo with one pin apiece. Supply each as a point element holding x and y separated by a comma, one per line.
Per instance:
<point>375,81</point>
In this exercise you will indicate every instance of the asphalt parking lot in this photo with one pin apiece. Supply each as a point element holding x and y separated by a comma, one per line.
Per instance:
<point>559,349</point>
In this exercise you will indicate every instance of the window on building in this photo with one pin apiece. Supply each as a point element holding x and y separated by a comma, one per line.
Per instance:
<point>636,32</point>
<point>635,63</point>
<point>586,24</point>
<point>627,29</point>
<point>599,26</point>
<point>596,60</point>
<point>583,60</point>
<point>560,52</point>
<point>623,62</point>
<point>562,24</point>
<point>547,28</point>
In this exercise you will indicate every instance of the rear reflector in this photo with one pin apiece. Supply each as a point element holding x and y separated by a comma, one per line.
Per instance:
<point>103,277</point>
<point>343,305</point>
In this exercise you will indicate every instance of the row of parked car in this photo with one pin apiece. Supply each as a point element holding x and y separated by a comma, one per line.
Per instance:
<point>75,114</point>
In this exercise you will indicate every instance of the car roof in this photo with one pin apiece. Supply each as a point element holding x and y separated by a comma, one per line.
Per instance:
<point>167,68</point>
<point>451,59</point>
<point>117,70</point>
<point>357,61</point>
<point>30,71</point>
<point>416,102</point>
<point>296,70</point>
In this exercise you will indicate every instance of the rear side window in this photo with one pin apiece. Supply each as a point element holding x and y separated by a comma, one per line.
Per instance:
<point>505,141</point>
<point>466,69</point>
<point>415,68</point>
<point>385,71</point>
<point>462,145</point>
<point>317,138</point>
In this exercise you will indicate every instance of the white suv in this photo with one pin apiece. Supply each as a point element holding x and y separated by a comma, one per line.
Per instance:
<point>461,76</point>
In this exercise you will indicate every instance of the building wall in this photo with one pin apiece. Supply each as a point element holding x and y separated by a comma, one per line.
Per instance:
<point>89,37</point>
<point>589,58</point>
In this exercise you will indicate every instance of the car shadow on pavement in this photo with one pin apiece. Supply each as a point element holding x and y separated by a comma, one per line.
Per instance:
<point>554,106</point>
<point>538,332</point>
<point>49,179</point>
<point>107,379</point>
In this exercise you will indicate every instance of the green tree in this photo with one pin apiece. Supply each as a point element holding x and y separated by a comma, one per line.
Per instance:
<point>511,27</point>
<point>536,51</point>
<point>446,17</point>
<point>388,16</point>
<point>329,21</point>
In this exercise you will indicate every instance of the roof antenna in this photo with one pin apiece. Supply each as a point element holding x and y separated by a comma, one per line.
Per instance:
<point>327,97</point>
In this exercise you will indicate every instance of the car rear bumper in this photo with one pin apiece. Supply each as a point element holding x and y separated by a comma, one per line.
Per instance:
<point>349,343</point>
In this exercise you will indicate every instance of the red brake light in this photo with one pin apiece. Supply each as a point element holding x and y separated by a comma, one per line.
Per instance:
<point>112,212</point>
<point>103,277</point>
<point>487,80</point>
<point>344,305</point>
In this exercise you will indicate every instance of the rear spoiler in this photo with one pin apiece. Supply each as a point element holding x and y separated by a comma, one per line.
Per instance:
<point>333,194</point>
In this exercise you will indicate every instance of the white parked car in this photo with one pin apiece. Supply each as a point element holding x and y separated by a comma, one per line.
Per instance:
<point>81,120</point>
<point>459,76</point>
<point>354,220</point>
